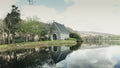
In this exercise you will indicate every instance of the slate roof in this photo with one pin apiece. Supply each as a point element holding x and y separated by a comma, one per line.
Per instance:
<point>61,27</point>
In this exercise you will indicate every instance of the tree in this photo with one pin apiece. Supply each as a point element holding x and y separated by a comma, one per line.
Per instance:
<point>12,23</point>
<point>2,38</point>
<point>33,27</point>
<point>76,36</point>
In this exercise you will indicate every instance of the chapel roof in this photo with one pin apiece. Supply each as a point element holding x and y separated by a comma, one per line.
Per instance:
<point>61,27</point>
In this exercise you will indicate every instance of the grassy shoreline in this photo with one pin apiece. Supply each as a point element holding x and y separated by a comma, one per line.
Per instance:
<point>27,45</point>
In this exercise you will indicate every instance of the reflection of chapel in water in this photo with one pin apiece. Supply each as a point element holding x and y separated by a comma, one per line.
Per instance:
<point>58,32</point>
<point>38,56</point>
<point>59,52</point>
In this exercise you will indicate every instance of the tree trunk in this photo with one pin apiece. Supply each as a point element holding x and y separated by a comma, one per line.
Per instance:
<point>8,37</point>
<point>1,38</point>
<point>13,38</point>
<point>26,38</point>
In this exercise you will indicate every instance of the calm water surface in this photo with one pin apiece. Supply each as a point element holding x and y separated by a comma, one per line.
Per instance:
<point>107,57</point>
<point>78,56</point>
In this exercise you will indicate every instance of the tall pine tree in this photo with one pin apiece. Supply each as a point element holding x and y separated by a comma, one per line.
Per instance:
<point>12,21</point>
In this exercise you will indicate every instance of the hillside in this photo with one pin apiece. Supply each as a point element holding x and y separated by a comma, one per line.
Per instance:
<point>88,33</point>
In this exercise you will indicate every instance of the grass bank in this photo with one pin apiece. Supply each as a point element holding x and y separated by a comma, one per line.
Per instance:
<point>27,45</point>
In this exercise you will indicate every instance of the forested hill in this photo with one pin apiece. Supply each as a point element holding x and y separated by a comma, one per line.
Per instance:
<point>88,33</point>
<point>95,35</point>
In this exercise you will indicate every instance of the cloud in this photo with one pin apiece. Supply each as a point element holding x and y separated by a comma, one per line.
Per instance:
<point>83,15</point>
<point>67,1</point>
<point>92,58</point>
<point>5,6</point>
<point>93,15</point>
<point>43,12</point>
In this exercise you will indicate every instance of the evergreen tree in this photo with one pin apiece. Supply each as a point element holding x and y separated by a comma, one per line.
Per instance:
<point>12,21</point>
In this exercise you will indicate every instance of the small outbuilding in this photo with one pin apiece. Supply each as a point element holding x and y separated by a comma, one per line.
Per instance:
<point>58,32</point>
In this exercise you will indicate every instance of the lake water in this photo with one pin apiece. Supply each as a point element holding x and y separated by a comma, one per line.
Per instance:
<point>78,56</point>
<point>107,57</point>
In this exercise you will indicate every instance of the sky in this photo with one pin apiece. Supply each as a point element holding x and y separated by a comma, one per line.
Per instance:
<point>81,15</point>
<point>107,57</point>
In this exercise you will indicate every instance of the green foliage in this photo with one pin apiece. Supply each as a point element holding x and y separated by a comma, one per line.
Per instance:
<point>30,27</point>
<point>76,36</point>
<point>72,39</point>
<point>20,39</point>
<point>1,25</point>
<point>12,22</point>
<point>34,27</point>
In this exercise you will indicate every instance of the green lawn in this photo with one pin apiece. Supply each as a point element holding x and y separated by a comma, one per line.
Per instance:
<point>27,45</point>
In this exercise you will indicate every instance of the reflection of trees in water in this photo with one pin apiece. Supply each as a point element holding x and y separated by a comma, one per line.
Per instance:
<point>101,40</point>
<point>23,58</point>
<point>76,47</point>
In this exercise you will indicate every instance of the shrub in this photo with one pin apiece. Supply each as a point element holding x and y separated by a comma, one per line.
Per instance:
<point>76,36</point>
<point>72,39</point>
